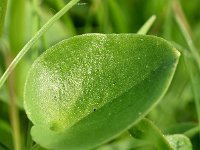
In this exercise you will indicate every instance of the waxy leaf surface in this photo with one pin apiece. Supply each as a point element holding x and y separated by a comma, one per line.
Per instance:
<point>88,89</point>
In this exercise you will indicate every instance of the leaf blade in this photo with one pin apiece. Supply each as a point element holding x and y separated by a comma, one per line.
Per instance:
<point>85,119</point>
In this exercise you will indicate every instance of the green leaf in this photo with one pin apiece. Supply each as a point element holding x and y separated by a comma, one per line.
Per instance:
<point>179,142</point>
<point>147,131</point>
<point>3,7</point>
<point>86,90</point>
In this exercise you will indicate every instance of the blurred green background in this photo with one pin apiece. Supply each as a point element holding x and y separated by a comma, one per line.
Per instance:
<point>176,113</point>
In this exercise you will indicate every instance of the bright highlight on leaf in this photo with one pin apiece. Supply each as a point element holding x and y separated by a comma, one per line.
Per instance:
<point>88,89</point>
<point>179,142</point>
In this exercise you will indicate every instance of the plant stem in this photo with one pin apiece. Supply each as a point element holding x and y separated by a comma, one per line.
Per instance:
<point>147,25</point>
<point>13,110</point>
<point>34,39</point>
<point>66,18</point>
<point>14,117</point>
<point>192,132</point>
<point>146,130</point>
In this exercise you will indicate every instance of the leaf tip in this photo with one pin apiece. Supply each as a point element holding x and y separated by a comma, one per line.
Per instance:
<point>177,53</point>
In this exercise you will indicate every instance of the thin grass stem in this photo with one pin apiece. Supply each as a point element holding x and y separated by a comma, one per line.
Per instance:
<point>192,132</point>
<point>34,39</point>
<point>147,25</point>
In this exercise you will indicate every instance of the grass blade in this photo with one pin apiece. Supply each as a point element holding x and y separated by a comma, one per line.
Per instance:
<point>194,73</point>
<point>34,40</point>
<point>118,16</point>
<point>185,30</point>
<point>145,28</point>
<point>192,132</point>
<point>193,65</point>
<point>68,21</point>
